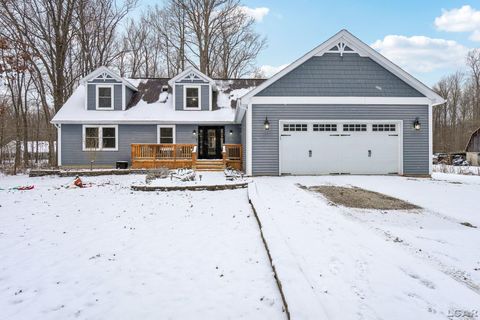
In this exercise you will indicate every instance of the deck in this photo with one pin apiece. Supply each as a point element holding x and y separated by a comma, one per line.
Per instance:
<point>175,156</point>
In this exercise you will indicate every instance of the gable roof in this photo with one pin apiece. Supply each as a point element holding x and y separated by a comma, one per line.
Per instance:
<point>474,133</point>
<point>344,42</point>
<point>188,71</point>
<point>100,70</point>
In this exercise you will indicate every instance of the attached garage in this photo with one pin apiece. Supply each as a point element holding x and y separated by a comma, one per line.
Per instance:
<point>342,108</point>
<point>340,147</point>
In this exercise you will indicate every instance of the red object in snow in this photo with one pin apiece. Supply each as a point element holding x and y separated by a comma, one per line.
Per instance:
<point>78,182</point>
<point>25,188</point>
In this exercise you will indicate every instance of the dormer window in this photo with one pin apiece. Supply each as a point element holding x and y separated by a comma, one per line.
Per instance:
<point>191,98</point>
<point>104,97</point>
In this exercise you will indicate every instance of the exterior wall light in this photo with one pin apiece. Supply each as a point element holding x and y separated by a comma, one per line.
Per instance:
<point>194,132</point>
<point>416,124</point>
<point>231,132</point>
<point>266,124</point>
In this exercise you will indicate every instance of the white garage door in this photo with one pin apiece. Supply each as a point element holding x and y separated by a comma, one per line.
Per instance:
<point>340,147</point>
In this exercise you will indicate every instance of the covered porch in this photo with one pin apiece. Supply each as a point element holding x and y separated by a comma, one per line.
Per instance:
<point>175,156</point>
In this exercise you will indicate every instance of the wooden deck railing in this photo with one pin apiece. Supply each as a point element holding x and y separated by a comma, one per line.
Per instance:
<point>170,156</point>
<point>173,156</point>
<point>232,156</point>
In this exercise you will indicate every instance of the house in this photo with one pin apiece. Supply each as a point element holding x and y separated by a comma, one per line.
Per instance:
<point>340,108</point>
<point>473,148</point>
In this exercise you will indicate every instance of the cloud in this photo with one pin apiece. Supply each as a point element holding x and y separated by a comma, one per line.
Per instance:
<point>256,13</point>
<point>421,54</point>
<point>464,19</point>
<point>269,70</point>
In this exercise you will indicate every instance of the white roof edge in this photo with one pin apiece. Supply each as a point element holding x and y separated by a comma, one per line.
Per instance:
<point>173,122</point>
<point>101,69</point>
<point>369,51</point>
<point>172,81</point>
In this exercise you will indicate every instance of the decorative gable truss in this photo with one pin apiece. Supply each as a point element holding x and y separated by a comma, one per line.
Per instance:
<point>106,77</point>
<point>191,78</point>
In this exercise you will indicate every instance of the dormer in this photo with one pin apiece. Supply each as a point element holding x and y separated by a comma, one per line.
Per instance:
<point>106,91</point>
<point>192,90</point>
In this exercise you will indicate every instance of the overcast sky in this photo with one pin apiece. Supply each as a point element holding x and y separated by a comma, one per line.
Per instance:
<point>428,38</point>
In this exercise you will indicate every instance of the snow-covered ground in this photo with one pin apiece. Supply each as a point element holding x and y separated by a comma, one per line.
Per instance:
<point>201,179</point>
<point>469,170</point>
<point>106,252</point>
<point>341,263</point>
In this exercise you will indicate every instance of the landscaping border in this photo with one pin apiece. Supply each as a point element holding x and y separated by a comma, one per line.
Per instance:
<point>215,187</point>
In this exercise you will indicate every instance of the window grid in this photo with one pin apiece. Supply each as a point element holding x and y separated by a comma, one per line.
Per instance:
<point>295,127</point>
<point>324,127</point>
<point>384,127</point>
<point>355,127</point>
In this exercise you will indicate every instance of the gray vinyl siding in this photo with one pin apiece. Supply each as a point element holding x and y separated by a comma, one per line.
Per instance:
<point>204,94</point>
<point>184,133</point>
<point>236,136</point>
<point>265,144</point>
<point>335,75</point>
<point>72,135</point>
<point>92,100</point>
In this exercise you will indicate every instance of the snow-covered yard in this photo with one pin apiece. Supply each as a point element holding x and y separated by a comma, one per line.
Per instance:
<point>343,263</point>
<point>106,252</point>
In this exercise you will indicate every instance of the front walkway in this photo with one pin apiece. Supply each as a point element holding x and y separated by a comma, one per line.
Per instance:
<point>339,263</point>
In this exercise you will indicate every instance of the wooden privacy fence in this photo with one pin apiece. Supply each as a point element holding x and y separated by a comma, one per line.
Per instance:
<point>173,156</point>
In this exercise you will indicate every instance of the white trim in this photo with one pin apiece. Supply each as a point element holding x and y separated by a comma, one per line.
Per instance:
<point>190,86</point>
<point>342,121</point>
<point>361,47</point>
<point>124,97</point>
<point>59,145</point>
<point>340,100</point>
<point>249,147</point>
<point>167,126</point>
<point>149,121</point>
<point>97,88</point>
<point>430,140</point>
<point>94,74</point>
<point>100,137</point>
<point>210,94</point>
<point>187,71</point>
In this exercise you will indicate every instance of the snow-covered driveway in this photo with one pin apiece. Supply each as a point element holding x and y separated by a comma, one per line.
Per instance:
<point>366,264</point>
<point>106,252</point>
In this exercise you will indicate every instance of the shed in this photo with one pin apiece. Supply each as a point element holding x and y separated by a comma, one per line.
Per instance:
<point>473,148</point>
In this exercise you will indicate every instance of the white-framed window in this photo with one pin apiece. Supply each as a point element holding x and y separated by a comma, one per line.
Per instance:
<point>192,97</point>
<point>100,138</point>
<point>166,134</point>
<point>104,97</point>
<point>294,127</point>
<point>355,127</point>
<point>324,127</point>
<point>389,127</point>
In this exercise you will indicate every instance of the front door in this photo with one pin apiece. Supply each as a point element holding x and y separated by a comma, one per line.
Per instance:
<point>210,141</point>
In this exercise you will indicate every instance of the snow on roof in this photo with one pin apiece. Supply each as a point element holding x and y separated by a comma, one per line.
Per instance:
<point>151,105</point>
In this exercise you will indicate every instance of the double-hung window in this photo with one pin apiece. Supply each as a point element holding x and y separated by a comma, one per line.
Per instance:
<point>192,98</point>
<point>100,138</point>
<point>104,97</point>
<point>166,134</point>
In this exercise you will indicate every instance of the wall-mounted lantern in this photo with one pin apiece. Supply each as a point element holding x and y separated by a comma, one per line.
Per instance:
<point>231,132</point>
<point>194,132</point>
<point>266,124</point>
<point>416,124</point>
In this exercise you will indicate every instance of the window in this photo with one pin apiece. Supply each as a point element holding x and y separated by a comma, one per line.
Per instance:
<point>295,127</point>
<point>384,127</point>
<point>324,127</point>
<point>355,127</point>
<point>104,97</point>
<point>192,98</point>
<point>100,138</point>
<point>166,134</point>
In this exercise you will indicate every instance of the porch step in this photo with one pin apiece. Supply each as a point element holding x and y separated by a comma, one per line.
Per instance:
<point>209,165</point>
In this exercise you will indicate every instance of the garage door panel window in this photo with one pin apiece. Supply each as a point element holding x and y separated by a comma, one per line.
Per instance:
<point>324,127</point>
<point>384,127</point>
<point>355,127</point>
<point>295,127</point>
